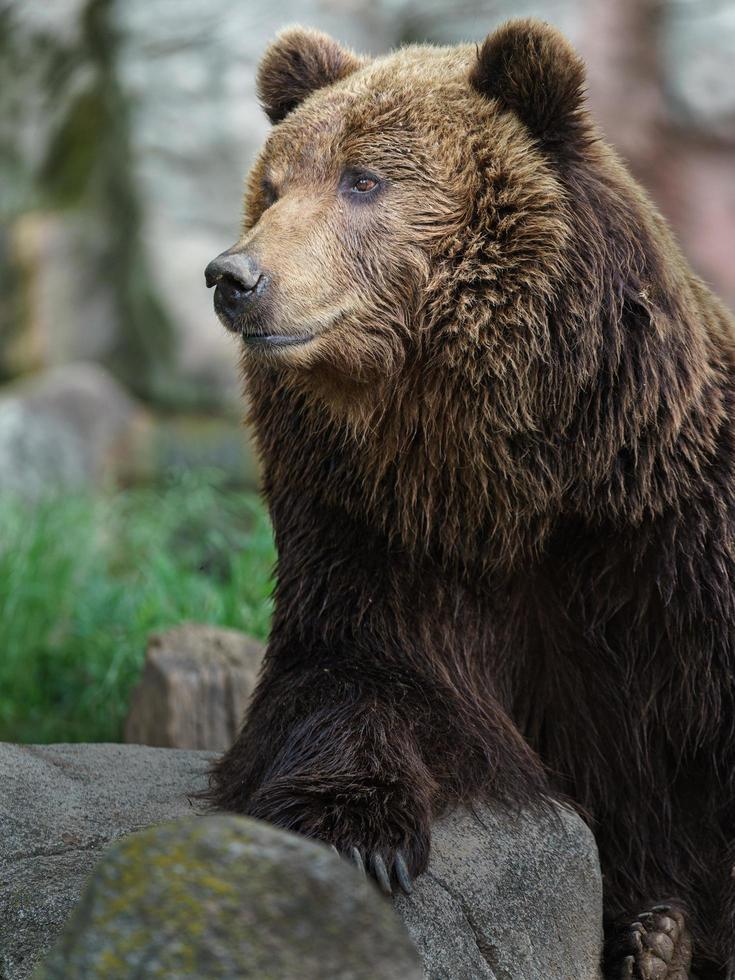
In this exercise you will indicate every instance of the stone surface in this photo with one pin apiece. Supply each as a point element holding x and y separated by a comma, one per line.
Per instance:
<point>59,807</point>
<point>229,897</point>
<point>505,896</point>
<point>194,689</point>
<point>67,427</point>
<point>508,897</point>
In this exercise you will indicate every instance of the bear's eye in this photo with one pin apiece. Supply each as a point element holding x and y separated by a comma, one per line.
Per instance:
<point>360,184</point>
<point>364,184</point>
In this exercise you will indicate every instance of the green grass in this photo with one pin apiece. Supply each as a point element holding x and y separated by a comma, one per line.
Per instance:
<point>84,580</point>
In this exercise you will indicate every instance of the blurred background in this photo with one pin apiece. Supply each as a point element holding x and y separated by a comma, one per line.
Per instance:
<point>127,499</point>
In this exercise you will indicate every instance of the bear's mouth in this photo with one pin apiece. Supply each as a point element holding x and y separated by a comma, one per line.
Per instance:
<point>271,340</point>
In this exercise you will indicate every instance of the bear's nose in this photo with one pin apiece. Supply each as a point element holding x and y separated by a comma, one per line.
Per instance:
<point>238,280</point>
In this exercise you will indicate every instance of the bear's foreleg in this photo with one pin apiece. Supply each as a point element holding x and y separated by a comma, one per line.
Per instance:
<point>362,752</point>
<point>333,755</point>
<point>374,710</point>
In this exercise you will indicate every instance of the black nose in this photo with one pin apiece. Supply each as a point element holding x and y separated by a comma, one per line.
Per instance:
<point>239,281</point>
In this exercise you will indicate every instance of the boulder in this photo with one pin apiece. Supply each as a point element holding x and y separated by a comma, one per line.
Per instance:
<point>70,427</point>
<point>76,427</point>
<point>506,895</point>
<point>60,806</point>
<point>195,686</point>
<point>230,897</point>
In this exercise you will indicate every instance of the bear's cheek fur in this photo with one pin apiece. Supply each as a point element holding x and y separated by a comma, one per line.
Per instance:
<point>347,274</point>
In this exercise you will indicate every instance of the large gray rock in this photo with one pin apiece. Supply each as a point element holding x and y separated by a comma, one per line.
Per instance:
<point>195,686</point>
<point>506,896</point>
<point>66,428</point>
<point>59,808</point>
<point>229,897</point>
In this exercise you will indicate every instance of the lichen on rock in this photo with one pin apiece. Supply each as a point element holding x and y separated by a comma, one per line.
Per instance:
<point>229,897</point>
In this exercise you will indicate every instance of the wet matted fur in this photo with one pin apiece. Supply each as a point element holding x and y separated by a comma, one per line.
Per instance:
<point>500,473</point>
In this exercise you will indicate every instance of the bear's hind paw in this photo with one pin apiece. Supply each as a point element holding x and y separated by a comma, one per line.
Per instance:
<point>656,946</point>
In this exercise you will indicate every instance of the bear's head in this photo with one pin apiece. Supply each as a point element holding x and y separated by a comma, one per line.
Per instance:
<point>404,203</point>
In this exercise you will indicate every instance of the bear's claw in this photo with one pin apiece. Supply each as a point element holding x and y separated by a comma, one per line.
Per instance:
<point>381,874</point>
<point>375,864</point>
<point>357,860</point>
<point>402,874</point>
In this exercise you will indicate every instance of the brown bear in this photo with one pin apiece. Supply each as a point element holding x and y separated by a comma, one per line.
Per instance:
<point>495,412</point>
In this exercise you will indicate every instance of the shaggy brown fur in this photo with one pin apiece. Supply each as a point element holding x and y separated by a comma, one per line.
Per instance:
<point>499,463</point>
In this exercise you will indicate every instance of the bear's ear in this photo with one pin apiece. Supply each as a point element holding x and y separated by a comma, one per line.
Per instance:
<point>534,71</point>
<point>297,63</point>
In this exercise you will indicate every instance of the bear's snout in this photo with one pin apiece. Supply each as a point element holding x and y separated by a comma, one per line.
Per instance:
<point>239,285</point>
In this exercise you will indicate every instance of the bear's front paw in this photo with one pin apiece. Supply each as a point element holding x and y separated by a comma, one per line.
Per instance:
<point>383,831</point>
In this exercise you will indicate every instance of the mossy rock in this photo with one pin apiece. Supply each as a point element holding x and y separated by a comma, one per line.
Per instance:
<point>224,896</point>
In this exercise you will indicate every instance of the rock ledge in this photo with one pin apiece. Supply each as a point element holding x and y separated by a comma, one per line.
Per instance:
<point>506,895</point>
